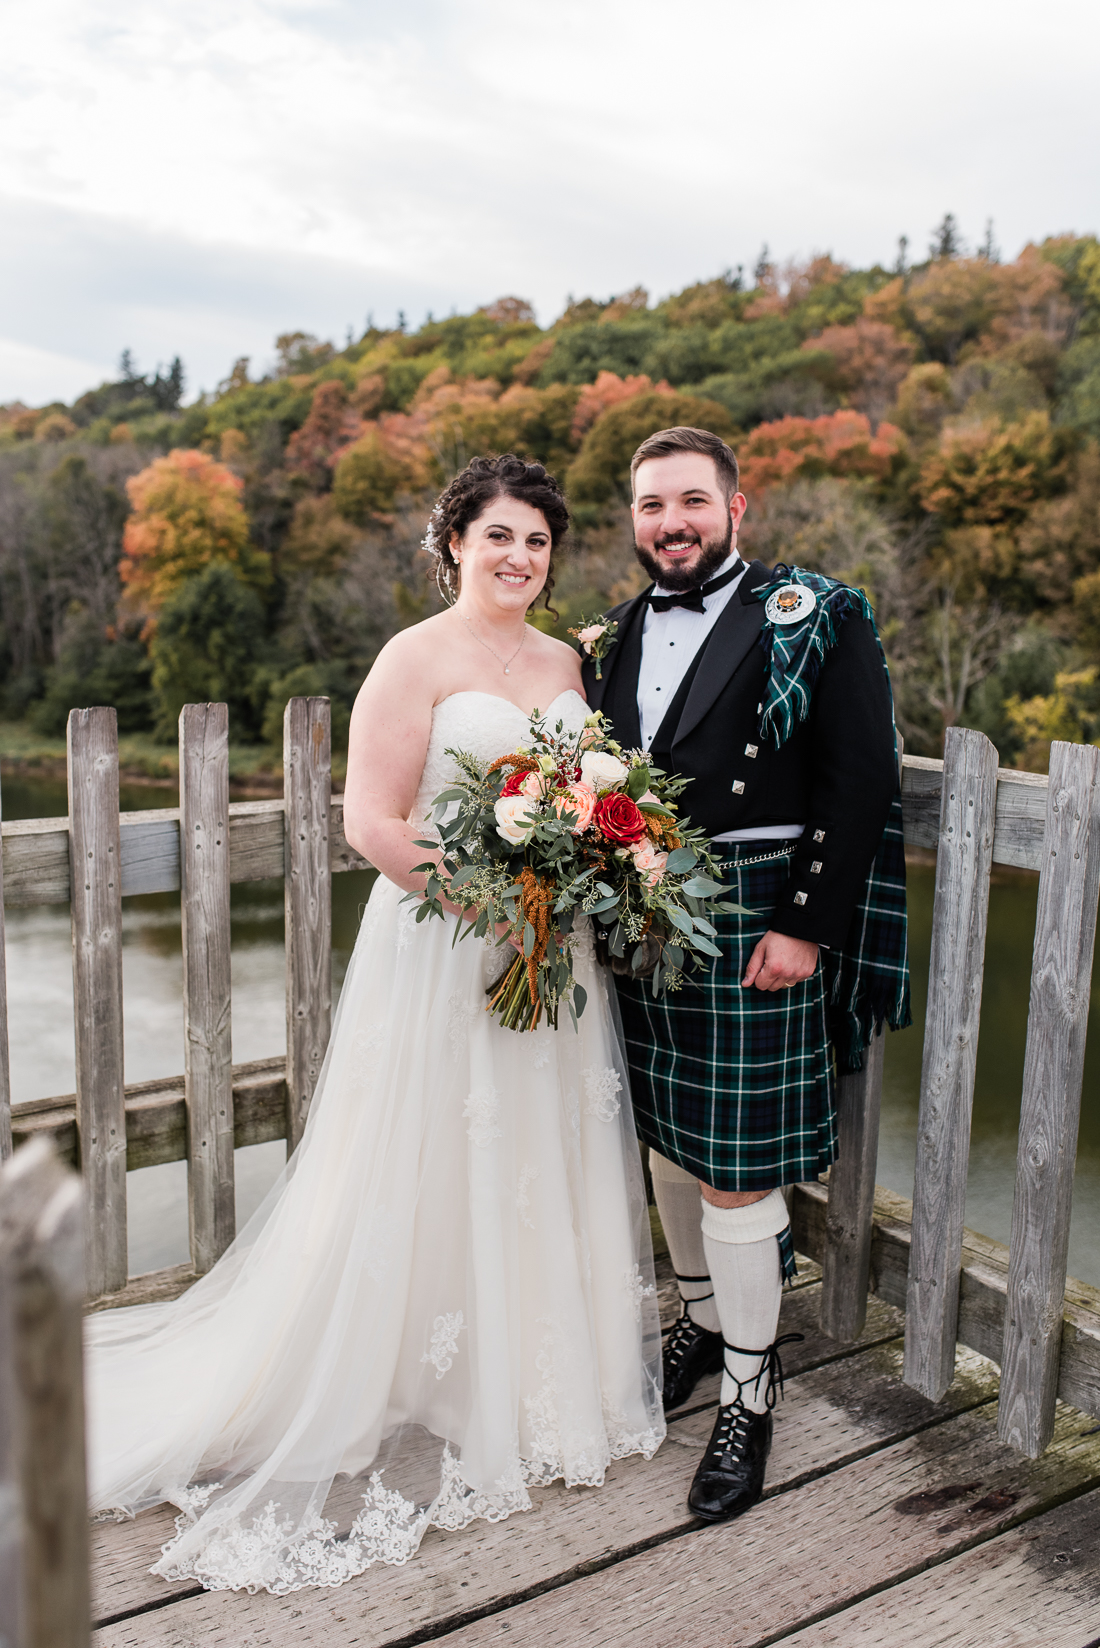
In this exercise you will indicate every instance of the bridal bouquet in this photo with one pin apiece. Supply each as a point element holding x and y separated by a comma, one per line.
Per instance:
<point>571,823</point>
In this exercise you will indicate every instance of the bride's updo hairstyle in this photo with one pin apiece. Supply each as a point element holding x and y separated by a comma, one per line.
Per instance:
<point>470,494</point>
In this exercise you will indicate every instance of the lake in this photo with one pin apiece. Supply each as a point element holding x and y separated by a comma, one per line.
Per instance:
<point>40,1018</point>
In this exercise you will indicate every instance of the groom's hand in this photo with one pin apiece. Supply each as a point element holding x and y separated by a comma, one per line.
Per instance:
<point>779,961</point>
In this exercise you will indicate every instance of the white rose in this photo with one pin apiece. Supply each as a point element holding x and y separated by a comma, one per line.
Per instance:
<point>601,771</point>
<point>513,820</point>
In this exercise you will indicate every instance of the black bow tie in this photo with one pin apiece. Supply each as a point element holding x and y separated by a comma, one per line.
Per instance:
<point>692,599</point>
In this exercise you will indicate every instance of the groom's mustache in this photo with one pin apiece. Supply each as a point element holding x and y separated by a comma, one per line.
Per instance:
<point>677,538</point>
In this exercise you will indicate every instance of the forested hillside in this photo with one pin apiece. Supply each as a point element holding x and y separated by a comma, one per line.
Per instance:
<point>930,432</point>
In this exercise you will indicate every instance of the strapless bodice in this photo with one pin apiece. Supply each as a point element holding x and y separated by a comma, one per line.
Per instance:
<point>484,726</point>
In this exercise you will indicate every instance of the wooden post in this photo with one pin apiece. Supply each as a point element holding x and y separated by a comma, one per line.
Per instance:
<point>307,794</point>
<point>5,1062</point>
<point>42,1258</point>
<point>1061,981</point>
<point>960,915</point>
<point>846,1263</point>
<point>96,892</point>
<point>207,990</point>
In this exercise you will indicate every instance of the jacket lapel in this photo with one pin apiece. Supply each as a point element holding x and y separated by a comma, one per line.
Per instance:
<point>730,641</point>
<point>619,685</point>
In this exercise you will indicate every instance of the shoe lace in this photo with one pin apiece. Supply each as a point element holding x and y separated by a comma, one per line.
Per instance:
<point>732,1429</point>
<point>771,1368</point>
<point>684,1333</point>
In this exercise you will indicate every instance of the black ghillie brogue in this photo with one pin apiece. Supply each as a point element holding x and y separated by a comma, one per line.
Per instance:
<point>730,1478</point>
<point>690,1353</point>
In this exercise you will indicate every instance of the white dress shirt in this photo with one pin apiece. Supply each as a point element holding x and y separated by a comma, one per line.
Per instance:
<point>670,640</point>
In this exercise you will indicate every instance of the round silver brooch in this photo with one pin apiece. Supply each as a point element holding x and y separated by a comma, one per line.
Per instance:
<point>789,604</point>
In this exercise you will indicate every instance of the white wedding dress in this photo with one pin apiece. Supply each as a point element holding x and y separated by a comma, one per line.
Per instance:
<point>446,1299</point>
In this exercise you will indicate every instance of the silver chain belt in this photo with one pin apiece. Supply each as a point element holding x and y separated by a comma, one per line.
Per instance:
<point>762,858</point>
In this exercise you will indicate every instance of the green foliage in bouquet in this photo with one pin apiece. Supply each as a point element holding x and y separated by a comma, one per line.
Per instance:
<point>569,824</point>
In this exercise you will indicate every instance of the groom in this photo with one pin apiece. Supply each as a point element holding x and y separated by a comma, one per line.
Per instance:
<point>733,1077</point>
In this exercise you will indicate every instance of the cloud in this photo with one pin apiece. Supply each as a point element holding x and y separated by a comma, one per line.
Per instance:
<point>452,153</point>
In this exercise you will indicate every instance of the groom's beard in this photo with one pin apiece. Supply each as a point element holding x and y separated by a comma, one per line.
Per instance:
<point>682,578</point>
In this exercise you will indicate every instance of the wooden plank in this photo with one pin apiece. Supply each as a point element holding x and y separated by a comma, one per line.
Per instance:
<point>819,1427</point>
<point>42,1248</point>
<point>844,1536</point>
<point>307,790</point>
<point>36,861</point>
<point>921,784</point>
<point>1054,1061</point>
<point>960,917</point>
<point>846,1261</point>
<point>152,1288</point>
<point>156,1115</point>
<point>983,1288</point>
<point>96,907</point>
<point>207,984</point>
<point>36,851</point>
<point>1037,1584</point>
<point>5,1063</point>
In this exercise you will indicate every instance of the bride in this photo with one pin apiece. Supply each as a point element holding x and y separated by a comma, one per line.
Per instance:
<point>447,1298</point>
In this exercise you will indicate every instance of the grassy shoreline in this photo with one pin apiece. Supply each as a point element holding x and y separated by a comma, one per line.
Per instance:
<point>254,769</point>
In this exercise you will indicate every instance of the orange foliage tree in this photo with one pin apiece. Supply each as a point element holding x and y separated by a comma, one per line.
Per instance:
<point>608,390</point>
<point>868,361</point>
<point>331,423</point>
<point>956,301</point>
<point>841,443</point>
<point>187,513</point>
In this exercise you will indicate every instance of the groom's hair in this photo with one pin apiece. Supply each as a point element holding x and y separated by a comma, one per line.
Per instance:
<point>685,439</point>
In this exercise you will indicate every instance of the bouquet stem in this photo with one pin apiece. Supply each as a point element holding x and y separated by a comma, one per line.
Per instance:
<point>511,1000</point>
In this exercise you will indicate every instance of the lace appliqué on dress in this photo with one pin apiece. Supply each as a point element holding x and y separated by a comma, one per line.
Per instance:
<point>602,1088</point>
<point>444,1342</point>
<point>523,1200</point>
<point>366,1044</point>
<point>461,1013</point>
<point>483,1110</point>
<point>637,1289</point>
<point>543,1049</point>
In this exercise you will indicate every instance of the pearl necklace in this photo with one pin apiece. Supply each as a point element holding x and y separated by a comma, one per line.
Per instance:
<point>507,662</point>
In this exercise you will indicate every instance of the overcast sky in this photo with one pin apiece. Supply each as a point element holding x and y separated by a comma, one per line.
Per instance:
<point>196,177</point>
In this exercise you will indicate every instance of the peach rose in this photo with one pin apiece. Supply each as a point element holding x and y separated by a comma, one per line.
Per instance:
<point>579,799</point>
<point>592,633</point>
<point>649,861</point>
<point>513,819</point>
<point>534,784</point>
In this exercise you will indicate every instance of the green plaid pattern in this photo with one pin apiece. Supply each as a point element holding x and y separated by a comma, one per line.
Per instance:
<point>796,652</point>
<point>868,980</point>
<point>736,1086</point>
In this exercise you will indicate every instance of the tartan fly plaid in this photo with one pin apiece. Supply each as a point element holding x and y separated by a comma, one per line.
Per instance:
<point>736,1086</point>
<point>868,980</point>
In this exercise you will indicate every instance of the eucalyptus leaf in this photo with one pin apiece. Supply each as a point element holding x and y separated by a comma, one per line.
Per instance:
<point>681,860</point>
<point>580,998</point>
<point>529,936</point>
<point>701,886</point>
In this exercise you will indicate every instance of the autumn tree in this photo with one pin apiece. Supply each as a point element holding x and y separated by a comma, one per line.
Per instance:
<point>600,473</point>
<point>187,513</point>
<point>989,476</point>
<point>866,362</point>
<point>840,443</point>
<point>331,424</point>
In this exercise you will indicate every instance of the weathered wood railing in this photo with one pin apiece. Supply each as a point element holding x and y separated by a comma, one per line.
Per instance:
<point>1012,1304</point>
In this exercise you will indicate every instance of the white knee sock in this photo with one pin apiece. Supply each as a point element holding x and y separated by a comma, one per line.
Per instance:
<point>678,1199</point>
<point>743,1259</point>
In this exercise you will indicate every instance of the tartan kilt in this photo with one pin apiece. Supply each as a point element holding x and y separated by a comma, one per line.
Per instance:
<point>736,1086</point>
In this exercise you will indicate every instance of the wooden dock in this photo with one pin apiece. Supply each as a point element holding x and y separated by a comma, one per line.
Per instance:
<point>887,1519</point>
<point>936,1473</point>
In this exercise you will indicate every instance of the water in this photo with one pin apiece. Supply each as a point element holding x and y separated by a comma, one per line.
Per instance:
<point>40,1009</point>
<point>40,1016</point>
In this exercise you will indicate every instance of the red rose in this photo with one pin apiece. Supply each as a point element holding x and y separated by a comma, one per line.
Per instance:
<point>619,820</point>
<point>513,783</point>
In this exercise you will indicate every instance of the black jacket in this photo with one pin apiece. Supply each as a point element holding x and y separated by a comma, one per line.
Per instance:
<point>836,773</point>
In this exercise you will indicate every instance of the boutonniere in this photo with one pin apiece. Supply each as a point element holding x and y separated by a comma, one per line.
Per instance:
<point>596,637</point>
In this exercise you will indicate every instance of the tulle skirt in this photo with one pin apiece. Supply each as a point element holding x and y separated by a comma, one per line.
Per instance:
<point>446,1298</point>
